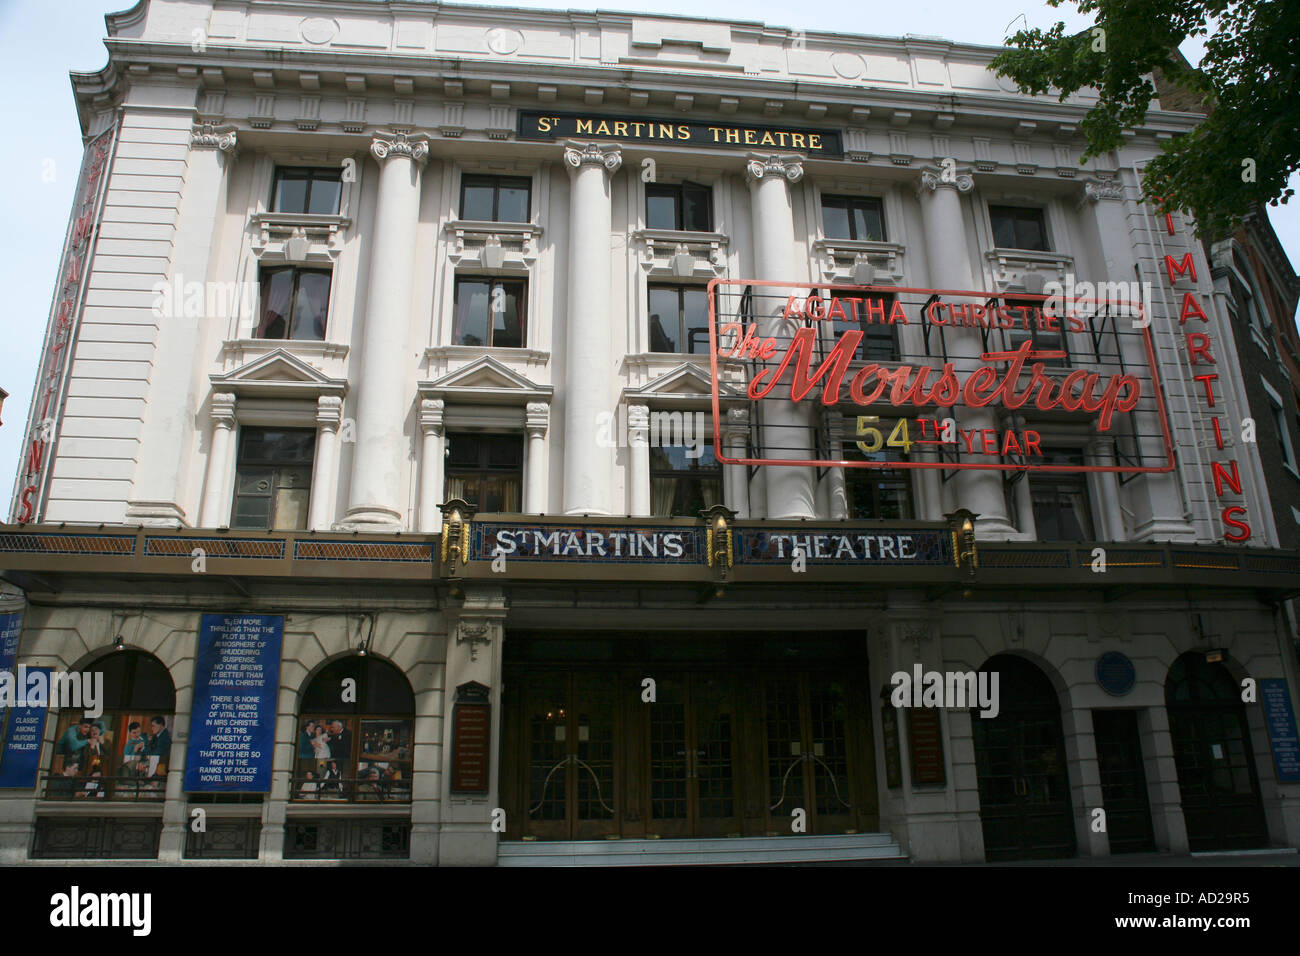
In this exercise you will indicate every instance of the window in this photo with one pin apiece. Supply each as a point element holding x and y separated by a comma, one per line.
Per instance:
<point>295,303</point>
<point>273,478</point>
<point>679,319</point>
<point>1060,500</point>
<point>495,198</point>
<point>124,753</point>
<point>490,312</point>
<point>1283,435</point>
<point>877,494</point>
<point>486,470</point>
<point>869,316</point>
<point>853,217</point>
<point>1041,340</point>
<point>299,189</point>
<point>681,485</point>
<point>686,207</point>
<point>359,752</point>
<point>1018,227</point>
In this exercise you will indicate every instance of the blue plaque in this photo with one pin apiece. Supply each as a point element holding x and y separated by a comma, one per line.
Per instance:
<point>1116,674</point>
<point>1280,720</point>
<point>24,730</point>
<point>236,683</point>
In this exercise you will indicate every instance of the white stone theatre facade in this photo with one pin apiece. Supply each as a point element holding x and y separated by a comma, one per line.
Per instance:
<point>499,437</point>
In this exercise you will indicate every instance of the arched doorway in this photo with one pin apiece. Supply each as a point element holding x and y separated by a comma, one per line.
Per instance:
<point>1216,767</point>
<point>1020,764</point>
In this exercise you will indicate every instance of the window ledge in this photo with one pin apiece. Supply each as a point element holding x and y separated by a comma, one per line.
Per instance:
<point>239,351</point>
<point>839,256</point>
<point>1010,265</point>
<point>490,226</point>
<point>276,232</point>
<point>681,254</point>
<point>517,241</point>
<point>441,355</point>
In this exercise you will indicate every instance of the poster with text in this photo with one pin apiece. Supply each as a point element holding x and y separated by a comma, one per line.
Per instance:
<point>236,683</point>
<point>21,745</point>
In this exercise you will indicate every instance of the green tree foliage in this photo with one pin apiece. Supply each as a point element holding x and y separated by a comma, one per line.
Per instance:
<point>1243,153</point>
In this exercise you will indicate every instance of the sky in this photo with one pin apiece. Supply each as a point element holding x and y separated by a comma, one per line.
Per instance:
<point>41,41</point>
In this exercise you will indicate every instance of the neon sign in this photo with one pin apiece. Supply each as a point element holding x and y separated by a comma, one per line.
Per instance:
<point>796,342</point>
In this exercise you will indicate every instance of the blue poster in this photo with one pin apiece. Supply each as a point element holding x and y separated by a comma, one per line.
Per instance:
<point>11,626</point>
<point>236,684</point>
<point>1280,720</point>
<point>23,734</point>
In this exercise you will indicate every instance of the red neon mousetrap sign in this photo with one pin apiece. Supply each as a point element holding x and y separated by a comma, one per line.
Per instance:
<point>909,368</point>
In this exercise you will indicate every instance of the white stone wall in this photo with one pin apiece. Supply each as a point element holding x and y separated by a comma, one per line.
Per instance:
<point>132,407</point>
<point>1063,641</point>
<point>414,641</point>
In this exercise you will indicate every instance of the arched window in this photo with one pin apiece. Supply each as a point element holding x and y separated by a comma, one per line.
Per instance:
<point>356,734</point>
<point>124,752</point>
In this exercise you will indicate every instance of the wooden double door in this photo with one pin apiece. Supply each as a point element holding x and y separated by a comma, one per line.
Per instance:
<point>592,753</point>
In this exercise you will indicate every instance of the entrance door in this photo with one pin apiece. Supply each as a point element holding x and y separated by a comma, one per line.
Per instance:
<point>569,724</point>
<point>1216,768</point>
<point>1020,766</point>
<point>692,776</point>
<point>1123,782</point>
<point>805,719</point>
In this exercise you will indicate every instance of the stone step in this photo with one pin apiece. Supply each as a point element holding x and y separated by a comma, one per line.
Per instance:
<point>721,851</point>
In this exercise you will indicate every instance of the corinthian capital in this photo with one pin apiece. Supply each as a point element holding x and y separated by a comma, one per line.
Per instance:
<point>791,167</point>
<point>416,148</point>
<point>212,136</point>
<point>577,155</point>
<point>960,180</point>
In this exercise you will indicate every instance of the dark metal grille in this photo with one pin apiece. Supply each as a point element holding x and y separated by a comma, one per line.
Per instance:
<point>68,543</point>
<point>215,547</point>
<point>95,838</point>
<point>416,552</point>
<point>355,839</point>
<point>1007,558</point>
<point>225,840</point>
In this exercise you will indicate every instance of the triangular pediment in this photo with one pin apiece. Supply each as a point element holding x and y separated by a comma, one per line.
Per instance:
<point>279,372</point>
<point>486,380</point>
<point>685,382</point>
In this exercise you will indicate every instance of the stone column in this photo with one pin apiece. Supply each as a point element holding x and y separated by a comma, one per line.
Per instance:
<point>1162,779</point>
<point>589,365</point>
<point>787,426</point>
<point>1103,486</point>
<point>157,493</point>
<point>1024,502</point>
<point>473,654</point>
<point>735,442</point>
<point>375,492</point>
<point>216,500</point>
<point>949,264</point>
<point>1155,499</point>
<point>638,441</point>
<point>1085,779</point>
<point>836,480</point>
<point>537,417</point>
<point>432,461</point>
<point>324,479</point>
